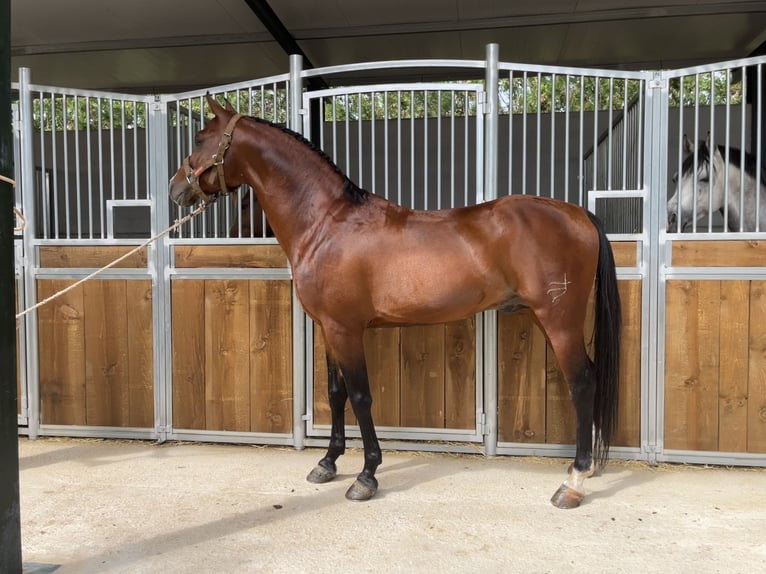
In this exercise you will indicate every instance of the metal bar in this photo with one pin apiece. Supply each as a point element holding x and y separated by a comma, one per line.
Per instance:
<point>712,150</point>
<point>653,296</point>
<point>30,253</point>
<point>758,124</point>
<point>425,149</point>
<point>510,132</point>
<point>386,188</point>
<point>373,146</point>
<point>412,149</point>
<point>696,150</point>
<point>566,140</point>
<point>610,145</point>
<point>490,192</point>
<point>524,134</point>
<point>553,136</point>
<point>742,155</point>
<point>77,165</point>
<point>300,389</point>
<point>439,150</point>
<point>581,167</point>
<point>538,134</point>
<point>90,168</point>
<point>728,145</point>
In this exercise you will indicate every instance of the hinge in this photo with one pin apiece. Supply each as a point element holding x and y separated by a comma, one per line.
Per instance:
<point>307,417</point>
<point>303,111</point>
<point>658,83</point>
<point>484,431</point>
<point>482,103</point>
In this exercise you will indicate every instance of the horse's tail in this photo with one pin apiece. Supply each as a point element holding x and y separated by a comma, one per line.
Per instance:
<point>606,335</point>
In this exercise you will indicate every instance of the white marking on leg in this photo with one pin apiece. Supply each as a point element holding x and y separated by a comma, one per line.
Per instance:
<point>577,478</point>
<point>558,289</point>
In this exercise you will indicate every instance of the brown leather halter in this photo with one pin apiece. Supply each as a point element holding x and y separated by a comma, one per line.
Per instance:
<point>193,175</point>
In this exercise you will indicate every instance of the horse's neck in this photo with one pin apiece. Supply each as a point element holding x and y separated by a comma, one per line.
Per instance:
<point>294,185</point>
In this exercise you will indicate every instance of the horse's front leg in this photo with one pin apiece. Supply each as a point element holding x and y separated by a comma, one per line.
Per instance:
<point>326,469</point>
<point>357,383</point>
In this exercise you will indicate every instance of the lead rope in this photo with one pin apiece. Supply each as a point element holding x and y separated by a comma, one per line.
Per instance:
<point>178,223</point>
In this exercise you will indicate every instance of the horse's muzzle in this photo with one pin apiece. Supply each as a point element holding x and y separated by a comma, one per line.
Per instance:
<point>181,192</point>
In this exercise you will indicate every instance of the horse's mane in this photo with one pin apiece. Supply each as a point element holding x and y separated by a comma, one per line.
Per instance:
<point>750,163</point>
<point>351,190</point>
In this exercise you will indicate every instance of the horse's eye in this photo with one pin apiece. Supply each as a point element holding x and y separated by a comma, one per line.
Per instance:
<point>197,142</point>
<point>675,178</point>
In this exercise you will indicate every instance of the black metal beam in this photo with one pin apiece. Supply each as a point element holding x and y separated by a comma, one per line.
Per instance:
<point>282,35</point>
<point>10,522</point>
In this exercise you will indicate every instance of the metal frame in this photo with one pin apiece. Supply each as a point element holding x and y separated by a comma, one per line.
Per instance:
<point>653,257</point>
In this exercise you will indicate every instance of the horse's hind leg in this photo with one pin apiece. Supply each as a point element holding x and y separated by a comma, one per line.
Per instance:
<point>578,372</point>
<point>326,470</point>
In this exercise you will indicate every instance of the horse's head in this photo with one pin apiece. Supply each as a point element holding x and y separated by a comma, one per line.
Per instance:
<point>695,187</point>
<point>202,174</point>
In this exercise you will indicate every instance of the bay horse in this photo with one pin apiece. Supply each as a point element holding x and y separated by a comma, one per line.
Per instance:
<point>707,188</point>
<point>359,261</point>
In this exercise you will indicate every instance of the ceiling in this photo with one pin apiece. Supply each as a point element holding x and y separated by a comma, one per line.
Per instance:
<point>156,46</point>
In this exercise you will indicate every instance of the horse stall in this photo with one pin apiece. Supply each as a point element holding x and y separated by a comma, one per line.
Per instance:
<point>199,335</point>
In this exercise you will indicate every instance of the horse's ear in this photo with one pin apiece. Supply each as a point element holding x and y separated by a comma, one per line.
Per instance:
<point>688,145</point>
<point>215,107</point>
<point>229,107</point>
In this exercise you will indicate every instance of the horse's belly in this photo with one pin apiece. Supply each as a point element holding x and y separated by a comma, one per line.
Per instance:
<point>435,299</point>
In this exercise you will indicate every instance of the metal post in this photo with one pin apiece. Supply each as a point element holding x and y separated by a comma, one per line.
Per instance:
<point>10,521</point>
<point>30,253</point>
<point>490,193</point>
<point>653,303</point>
<point>299,318</point>
<point>158,258</point>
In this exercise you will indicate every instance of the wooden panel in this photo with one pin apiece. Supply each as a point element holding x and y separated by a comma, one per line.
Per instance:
<point>756,408</point>
<point>460,376</point>
<point>106,353</point>
<point>692,365</point>
<point>719,253</point>
<point>521,378</point>
<point>90,256</point>
<point>625,253</point>
<point>188,318</point>
<point>628,432</point>
<point>381,348</point>
<point>140,354</point>
<point>733,371</point>
<point>423,376</point>
<point>271,354</point>
<point>227,361</point>
<point>61,354</point>
<point>250,256</point>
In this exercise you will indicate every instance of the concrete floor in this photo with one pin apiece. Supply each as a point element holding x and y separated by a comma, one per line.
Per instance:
<point>121,506</point>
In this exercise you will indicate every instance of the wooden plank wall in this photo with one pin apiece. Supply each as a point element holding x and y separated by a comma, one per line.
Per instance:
<point>715,366</point>
<point>422,377</point>
<point>232,355</point>
<point>715,355</point>
<point>533,399</point>
<point>96,364</point>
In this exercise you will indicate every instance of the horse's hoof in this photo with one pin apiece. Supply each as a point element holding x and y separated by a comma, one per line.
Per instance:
<point>567,497</point>
<point>321,474</point>
<point>363,489</point>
